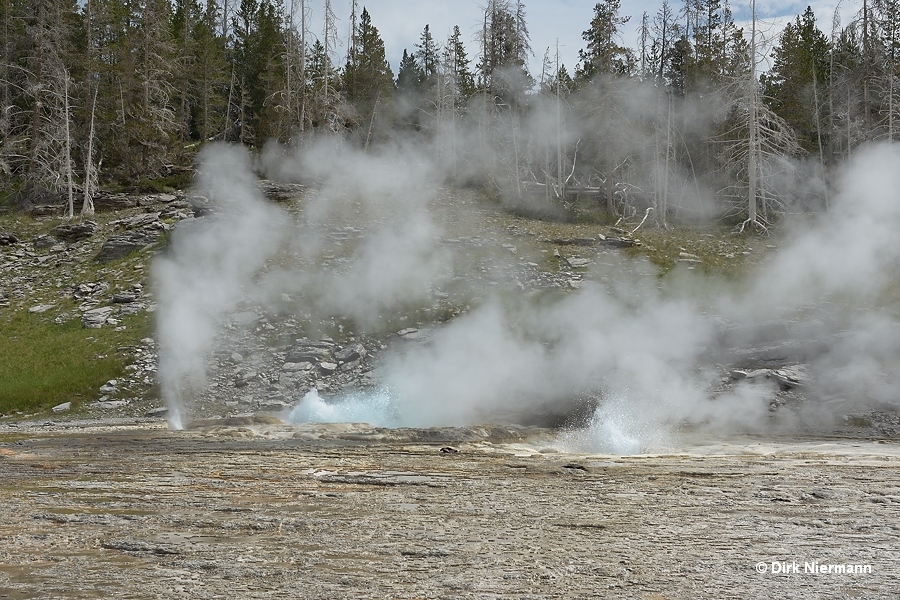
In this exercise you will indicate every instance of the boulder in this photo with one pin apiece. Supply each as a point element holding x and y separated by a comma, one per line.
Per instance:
<point>86,290</point>
<point>791,377</point>
<point>327,368</point>
<point>315,352</point>
<point>75,232</point>
<point>43,242</point>
<point>8,239</point>
<point>96,318</point>
<point>105,201</point>
<point>351,353</point>
<point>125,297</point>
<point>138,221</point>
<point>121,245</point>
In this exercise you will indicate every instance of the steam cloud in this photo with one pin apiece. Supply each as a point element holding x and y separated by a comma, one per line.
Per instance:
<point>640,343</point>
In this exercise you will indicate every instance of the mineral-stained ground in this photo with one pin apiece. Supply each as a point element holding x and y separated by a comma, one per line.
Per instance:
<point>253,508</point>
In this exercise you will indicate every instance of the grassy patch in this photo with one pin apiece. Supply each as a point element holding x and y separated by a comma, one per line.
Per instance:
<point>717,249</point>
<point>43,364</point>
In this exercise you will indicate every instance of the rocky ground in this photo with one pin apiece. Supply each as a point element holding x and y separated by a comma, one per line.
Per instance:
<point>106,501</point>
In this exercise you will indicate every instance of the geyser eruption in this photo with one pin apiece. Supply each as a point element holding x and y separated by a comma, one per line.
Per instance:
<point>202,275</point>
<point>642,349</point>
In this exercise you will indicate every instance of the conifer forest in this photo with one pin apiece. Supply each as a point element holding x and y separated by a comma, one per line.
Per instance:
<point>703,119</point>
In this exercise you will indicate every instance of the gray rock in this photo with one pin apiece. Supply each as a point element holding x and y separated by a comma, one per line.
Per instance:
<point>349,366</point>
<point>158,412</point>
<point>621,242</point>
<point>75,232</point>
<point>96,318</point>
<point>62,408</point>
<point>132,308</point>
<point>8,239</point>
<point>316,352</point>
<point>40,308</point>
<point>108,404</point>
<point>43,241</point>
<point>291,367</point>
<point>280,192</point>
<point>327,368</point>
<point>114,201</point>
<point>577,262</point>
<point>243,378</point>
<point>791,377</point>
<point>121,245</point>
<point>353,352</point>
<point>138,221</point>
<point>125,297</point>
<point>86,290</point>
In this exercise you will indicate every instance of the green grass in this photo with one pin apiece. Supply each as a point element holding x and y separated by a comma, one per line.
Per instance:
<point>43,364</point>
<point>719,250</point>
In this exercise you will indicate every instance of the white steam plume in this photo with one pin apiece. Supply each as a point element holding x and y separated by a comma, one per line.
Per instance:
<point>639,343</point>
<point>203,275</point>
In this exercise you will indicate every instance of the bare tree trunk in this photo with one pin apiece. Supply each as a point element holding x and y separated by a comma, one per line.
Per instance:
<point>516,170</point>
<point>302,66</point>
<point>226,134</point>
<point>372,121</point>
<point>87,208</point>
<point>559,167</point>
<point>866,66</point>
<point>664,201</point>
<point>35,133</point>
<point>68,146</point>
<point>754,98</point>
<point>819,128</point>
<point>186,56</point>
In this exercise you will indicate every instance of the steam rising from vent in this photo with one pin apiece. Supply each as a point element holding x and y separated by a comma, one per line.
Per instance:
<point>650,350</point>
<point>203,276</point>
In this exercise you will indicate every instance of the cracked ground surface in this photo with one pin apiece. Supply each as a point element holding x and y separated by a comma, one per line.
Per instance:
<point>257,509</point>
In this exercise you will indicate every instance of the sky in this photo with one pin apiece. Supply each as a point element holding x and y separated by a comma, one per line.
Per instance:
<point>400,22</point>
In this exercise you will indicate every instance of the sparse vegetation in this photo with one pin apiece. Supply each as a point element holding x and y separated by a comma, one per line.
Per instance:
<point>47,358</point>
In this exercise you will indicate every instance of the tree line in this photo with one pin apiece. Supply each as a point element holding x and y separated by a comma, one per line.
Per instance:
<point>124,93</point>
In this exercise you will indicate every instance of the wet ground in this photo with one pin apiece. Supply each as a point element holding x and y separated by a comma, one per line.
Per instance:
<point>251,508</point>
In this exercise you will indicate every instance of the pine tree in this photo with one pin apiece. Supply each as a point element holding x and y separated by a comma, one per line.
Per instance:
<point>799,70</point>
<point>210,77</point>
<point>458,67</point>
<point>150,123</point>
<point>409,76</point>
<point>604,54</point>
<point>427,58</point>
<point>369,82</point>
<point>258,49</point>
